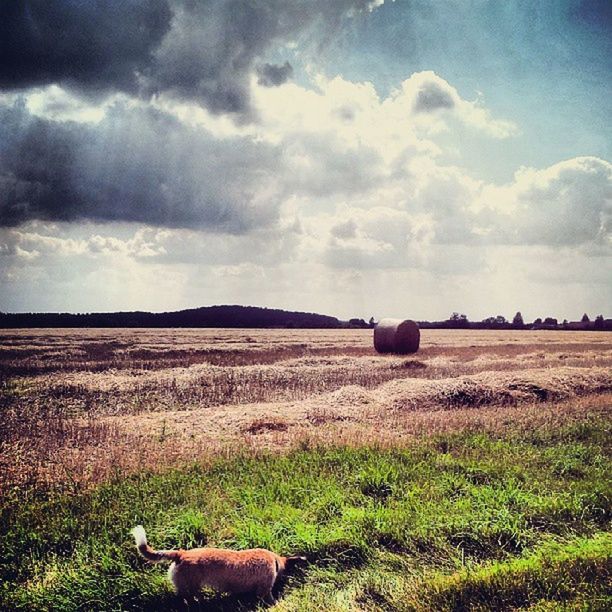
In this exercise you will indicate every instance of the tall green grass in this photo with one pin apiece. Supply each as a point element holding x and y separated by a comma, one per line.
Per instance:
<point>466,521</point>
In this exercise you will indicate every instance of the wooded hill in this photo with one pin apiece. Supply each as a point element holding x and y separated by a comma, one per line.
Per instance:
<point>207,316</point>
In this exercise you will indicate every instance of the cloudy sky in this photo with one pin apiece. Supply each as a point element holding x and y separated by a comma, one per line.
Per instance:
<point>349,157</point>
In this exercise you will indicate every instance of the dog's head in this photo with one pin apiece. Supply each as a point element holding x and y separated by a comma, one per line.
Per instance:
<point>288,563</point>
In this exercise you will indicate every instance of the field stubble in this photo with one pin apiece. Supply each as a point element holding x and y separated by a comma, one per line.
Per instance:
<point>97,399</point>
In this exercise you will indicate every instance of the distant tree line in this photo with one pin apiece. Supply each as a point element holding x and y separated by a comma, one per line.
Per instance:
<point>460,321</point>
<point>255,317</point>
<point>208,316</point>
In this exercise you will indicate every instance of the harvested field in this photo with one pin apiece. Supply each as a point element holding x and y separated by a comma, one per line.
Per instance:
<point>89,410</point>
<point>66,393</point>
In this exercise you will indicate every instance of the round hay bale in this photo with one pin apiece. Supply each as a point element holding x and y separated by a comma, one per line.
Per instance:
<point>396,336</point>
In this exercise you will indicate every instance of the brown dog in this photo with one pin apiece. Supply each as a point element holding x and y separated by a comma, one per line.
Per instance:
<point>231,571</point>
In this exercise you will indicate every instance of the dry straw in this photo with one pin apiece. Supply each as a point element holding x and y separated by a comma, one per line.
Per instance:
<point>396,336</point>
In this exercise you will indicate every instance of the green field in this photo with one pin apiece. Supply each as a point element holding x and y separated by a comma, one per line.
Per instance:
<point>466,521</point>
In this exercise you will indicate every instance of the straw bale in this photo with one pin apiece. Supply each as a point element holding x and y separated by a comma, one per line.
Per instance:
<point>397,336</point>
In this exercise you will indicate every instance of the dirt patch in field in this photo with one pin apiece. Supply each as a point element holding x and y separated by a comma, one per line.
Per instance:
<point>264,425</point>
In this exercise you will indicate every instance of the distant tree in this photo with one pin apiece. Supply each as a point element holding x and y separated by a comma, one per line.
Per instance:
<point>599,322</point>
<point>538,321</point>
<point>371,322</point>
<point>500,320</point>
<point>550,322</point>
<point>518,320</point>
<point>585,318</point>
<point>565,323</point>
<point>357,323</point>
<point>459,320</point>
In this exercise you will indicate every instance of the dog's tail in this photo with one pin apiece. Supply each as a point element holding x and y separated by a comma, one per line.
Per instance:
<point>148,553</point>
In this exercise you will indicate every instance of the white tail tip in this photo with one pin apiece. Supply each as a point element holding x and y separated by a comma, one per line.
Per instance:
<point>139,535</point>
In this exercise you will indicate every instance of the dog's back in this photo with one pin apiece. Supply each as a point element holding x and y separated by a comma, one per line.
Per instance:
<point>231,571</point>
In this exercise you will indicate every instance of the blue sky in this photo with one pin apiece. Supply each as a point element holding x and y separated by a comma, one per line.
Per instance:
<point>354,157</point>
<point>545,65</point>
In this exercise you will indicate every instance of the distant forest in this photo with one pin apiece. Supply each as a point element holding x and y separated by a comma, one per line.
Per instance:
<point>255,317</point>
<point>207,316</point>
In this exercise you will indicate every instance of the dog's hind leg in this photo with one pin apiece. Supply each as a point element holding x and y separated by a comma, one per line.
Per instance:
<point>183,583</point>
<point>265,593</point>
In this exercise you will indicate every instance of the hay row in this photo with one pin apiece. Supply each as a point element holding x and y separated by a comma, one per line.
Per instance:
<point>354,403</point>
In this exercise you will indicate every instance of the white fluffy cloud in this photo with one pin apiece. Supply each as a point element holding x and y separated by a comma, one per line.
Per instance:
<point>569,203</point>
<point>431,99</point>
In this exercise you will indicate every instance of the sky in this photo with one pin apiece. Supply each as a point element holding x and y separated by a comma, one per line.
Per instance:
<point>356,158</point>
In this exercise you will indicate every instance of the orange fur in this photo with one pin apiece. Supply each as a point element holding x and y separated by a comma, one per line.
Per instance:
<point>246,571</point>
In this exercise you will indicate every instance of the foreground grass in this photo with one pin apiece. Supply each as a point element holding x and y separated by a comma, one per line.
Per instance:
<point>464,521</point>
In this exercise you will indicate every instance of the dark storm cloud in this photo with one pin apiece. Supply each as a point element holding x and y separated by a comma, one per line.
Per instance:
<point>273,75</point>
<point>201,50</point>
<point>135,165</point>
<point>214,45</point>
<point>82,44</point>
